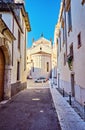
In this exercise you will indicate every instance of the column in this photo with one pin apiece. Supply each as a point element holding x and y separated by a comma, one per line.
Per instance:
<point>7,82</point>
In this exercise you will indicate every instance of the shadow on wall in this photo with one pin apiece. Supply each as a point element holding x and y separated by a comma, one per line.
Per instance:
<point>54,75</point>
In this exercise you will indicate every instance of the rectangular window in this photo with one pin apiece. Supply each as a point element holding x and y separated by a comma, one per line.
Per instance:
<point>69,20</point>
<point>71,50</point>
<point>57,47</point>
<point>47,66</point>
<point>33,68</point>
<point>83,2</point>
<point>18,70</point>
<point>67,4</point>
<point>64,37</point>
<point>60,41</point>
<point>19,39</point>
<point>64,59</point>
<point>79,40</point>
<point>32,65</point>
<point>62,22</point>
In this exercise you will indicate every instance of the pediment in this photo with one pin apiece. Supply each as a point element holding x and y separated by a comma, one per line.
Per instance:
<point>42,40</point>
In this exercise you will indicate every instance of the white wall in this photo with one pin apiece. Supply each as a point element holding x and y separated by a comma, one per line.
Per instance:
<point>18,55</point>
<point>78,25</point>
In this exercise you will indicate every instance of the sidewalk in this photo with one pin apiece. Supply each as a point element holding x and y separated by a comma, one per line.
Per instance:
<point>68,118</point>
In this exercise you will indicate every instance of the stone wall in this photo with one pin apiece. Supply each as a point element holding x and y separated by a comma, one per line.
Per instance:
<point>17,87</point>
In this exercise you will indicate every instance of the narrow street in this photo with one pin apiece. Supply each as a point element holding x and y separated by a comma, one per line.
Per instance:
<point>42,65</point>
<point>31,109</point>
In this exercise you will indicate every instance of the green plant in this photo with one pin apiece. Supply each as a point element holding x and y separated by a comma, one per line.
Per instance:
<point>70,63</point>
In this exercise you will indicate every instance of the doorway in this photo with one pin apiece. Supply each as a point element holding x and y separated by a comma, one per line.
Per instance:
<point>58,80</point>
<point>72,85</point>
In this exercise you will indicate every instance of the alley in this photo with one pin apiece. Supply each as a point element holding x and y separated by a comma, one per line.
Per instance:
<point>31,109</point>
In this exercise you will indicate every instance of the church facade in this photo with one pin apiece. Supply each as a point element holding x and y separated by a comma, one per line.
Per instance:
<point>39,58</point>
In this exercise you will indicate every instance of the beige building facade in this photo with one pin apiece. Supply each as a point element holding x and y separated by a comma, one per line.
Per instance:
<point>14,25</point>
<point>71,47</point>
<point>39,58</point>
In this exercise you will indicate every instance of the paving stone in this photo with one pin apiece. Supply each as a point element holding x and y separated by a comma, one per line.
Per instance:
<point>68,118</point>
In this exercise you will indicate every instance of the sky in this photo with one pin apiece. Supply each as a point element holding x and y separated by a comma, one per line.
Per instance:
<point>43,16</point>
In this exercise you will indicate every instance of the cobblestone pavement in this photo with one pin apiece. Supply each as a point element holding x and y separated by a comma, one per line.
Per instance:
<point>31,109</point>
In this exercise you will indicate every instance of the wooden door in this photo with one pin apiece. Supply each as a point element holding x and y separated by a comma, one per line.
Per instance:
<point>2,68</point>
